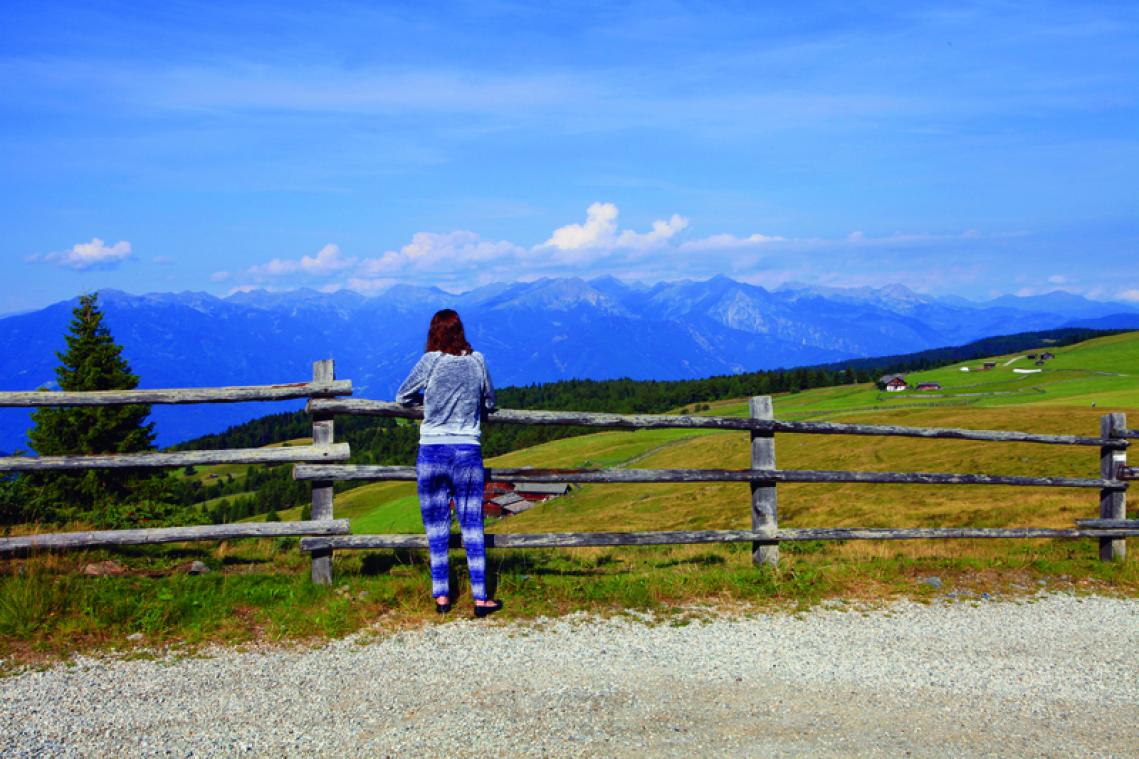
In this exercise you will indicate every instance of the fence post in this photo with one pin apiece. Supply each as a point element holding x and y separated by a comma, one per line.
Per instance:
<point>322,434</point>
<point>763,509</point>
<point>1112,503</point>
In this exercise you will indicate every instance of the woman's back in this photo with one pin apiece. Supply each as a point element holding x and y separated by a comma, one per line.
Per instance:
<point>455,390</point>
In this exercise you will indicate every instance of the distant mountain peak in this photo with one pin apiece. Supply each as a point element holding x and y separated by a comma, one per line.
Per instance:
<point>552,328</point>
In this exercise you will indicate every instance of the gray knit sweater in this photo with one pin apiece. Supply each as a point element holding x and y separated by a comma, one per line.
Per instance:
<point>454,391</point>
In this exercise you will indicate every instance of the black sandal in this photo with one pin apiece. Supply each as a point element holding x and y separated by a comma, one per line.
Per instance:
<point>486,611</point>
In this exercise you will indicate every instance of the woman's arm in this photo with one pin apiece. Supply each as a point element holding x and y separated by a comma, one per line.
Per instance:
<point>489,402</point>
<point>411,391</point>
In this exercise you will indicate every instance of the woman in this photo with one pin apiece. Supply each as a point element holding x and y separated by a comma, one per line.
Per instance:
<point>454,385</point>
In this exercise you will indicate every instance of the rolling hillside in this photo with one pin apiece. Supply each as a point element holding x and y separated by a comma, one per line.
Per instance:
<point>1103,372</point>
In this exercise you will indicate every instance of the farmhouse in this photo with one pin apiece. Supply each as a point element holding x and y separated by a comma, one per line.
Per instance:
<point>989,365</point>
<point>505,498</point>
<point>892,383</point>
<point>1047,355</point>
<point>927,386</point>
<point>495,488</point>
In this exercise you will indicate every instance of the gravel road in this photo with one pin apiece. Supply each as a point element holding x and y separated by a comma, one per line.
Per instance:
<point>1055,675</point>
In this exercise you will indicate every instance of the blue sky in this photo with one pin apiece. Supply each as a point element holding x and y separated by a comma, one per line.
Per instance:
<point>970,149</point>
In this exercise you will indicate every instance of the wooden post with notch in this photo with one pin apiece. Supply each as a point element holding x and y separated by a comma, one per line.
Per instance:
<point>1112,503</point>
<point>763,508</point>
<point>322,434</point>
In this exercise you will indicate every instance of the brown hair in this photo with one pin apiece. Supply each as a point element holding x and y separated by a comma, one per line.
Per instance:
<point>446,334</point>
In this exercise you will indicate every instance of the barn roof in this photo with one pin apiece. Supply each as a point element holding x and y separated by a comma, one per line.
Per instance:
<point>542,488</point>
<point>507,498</point>
<point>519,507</point>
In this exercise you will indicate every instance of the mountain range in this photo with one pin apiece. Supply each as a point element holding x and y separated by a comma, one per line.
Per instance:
<point>531,332</point>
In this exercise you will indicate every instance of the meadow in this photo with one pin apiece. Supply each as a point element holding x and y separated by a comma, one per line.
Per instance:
<point>259,590</point>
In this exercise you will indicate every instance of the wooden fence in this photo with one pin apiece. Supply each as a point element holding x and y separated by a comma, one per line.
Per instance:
<point>763,475</point>
<point>324,534</point>
<point>322,450</point>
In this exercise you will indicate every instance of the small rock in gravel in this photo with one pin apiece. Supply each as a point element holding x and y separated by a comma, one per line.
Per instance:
<point>198,568</point>
<point>135,636</point>
<point>933,582</point>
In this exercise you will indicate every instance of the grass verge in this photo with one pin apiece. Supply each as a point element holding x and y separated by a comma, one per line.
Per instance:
<point>258,591</point>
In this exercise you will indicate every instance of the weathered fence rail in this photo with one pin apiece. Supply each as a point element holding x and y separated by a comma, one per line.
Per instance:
<point>364,407</point>
<point>236,394</point>
<point>97,538</point>
<point>763,476</point>
<point>583,539</point>
<point>322,450</point>
<point>526,474</point>
<point>283,455</point>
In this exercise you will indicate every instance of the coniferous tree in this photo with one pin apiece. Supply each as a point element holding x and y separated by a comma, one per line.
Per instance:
<point>92,361</point>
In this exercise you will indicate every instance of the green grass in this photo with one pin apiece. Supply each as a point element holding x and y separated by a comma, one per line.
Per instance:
<point>1104,371</point>
<point>260,592</point>
<point>398,510</point>
<point>207,474</point>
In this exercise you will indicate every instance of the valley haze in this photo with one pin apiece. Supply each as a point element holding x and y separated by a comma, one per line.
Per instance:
<point>531,332</point>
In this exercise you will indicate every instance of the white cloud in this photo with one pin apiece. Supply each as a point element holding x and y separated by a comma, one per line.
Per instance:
<point>1057,279</point>
<point>730,242</point>
<point>599,229</point>
<point>327,260</point>
<point>599,232</point>
<point>462,259</point>
<point>447,253</point>
<point>219,276</point>
<point>88,255</point>
<point>162,260</point>
<point>1129,295</point>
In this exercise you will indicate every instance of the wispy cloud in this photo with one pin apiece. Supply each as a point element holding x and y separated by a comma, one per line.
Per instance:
<point>87,255</point>
<point>858,238</point>
<point>431,252</point>
<point>599,245</point>
<point>730,242</point>
<point>327,260</point>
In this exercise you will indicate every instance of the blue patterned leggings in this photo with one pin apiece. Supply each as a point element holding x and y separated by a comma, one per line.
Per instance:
<point>444,472</point>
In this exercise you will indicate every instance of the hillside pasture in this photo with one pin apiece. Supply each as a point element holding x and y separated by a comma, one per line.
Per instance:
<point>259,590</point>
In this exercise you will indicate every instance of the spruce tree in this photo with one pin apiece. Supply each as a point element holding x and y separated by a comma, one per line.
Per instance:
<point>92,361</point>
